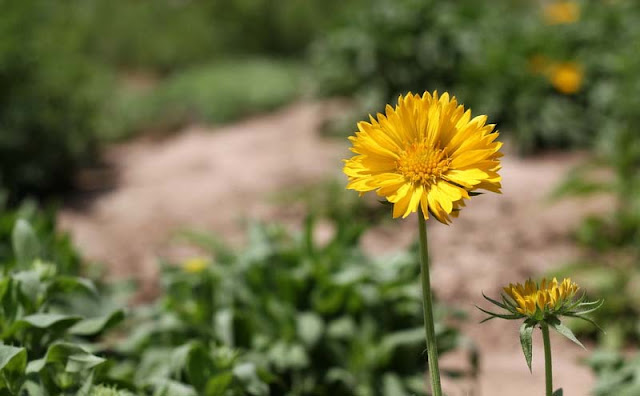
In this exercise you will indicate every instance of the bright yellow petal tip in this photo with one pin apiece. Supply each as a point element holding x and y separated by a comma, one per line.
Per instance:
<point>427,153</point>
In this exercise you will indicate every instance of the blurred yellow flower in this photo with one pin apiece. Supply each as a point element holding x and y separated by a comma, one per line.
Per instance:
<point>195,265</point>
<point>566,77</point>
<point>426,153</point>
<point>547,297</point>
<point>561,12</point>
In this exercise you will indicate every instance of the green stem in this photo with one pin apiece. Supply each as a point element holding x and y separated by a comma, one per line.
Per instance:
<point>427,307</point>
<point>548,372</point>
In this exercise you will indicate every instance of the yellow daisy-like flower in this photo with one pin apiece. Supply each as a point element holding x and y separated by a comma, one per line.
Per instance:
<point>561,12</point>
<point>426,153</point>
<point>566,77</point>
<point>195,265</point>
<point>547,297</point>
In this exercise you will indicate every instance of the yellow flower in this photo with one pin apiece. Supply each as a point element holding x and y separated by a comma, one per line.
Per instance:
<point>195,265</point>
<point>566,77</point>
<point>426,153</point>
<point>561,12</point>
<point>547,297</point>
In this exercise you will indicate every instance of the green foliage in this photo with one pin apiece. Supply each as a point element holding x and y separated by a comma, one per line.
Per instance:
<point>489,61</point>
<point>49,99</point>
<point>214,93</point>
<point>302,318</point>
<point>39,239</point>
<point>613,273</point>
<point>616,376</point>
<point>613,280</point>
<point>44,342</point>
<point>165,36</point>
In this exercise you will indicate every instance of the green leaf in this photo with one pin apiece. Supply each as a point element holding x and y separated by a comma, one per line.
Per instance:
<point>219,384</point>
<point>13,362</point>
<point>558,392</point>
<point>392,386</point>
<point>82,361</point>
<point>564,330</point>
<point>310,328</point>
<point>71,284</point>
<point>25,243</point>
<point>247,374</point>
<point>74,357</point>
<point>167,387</point>
<point>52,322</point>
<point>526,340</point>
<point>94,326</point>
<point>29,286</point>
<point>199,366</point>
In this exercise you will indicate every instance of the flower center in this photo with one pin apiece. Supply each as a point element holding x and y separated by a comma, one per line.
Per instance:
<point>422,164</point>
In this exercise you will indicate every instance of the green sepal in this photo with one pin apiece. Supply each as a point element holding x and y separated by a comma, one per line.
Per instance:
<point>491,300</point>
<point>562,329</point>
<point>597,303</point>
<point>501,316</point>
<point>579,316</point>
<point>526,340</point>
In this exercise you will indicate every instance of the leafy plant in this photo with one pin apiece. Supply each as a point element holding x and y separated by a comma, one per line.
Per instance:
<point>45,342</point>
<point>54,245</point>
<point>306,319</point>
<point>212,93</point>
<point>50,96</point>
<point>614,235</point>
<point>616,375</point>
<point>507,67</point>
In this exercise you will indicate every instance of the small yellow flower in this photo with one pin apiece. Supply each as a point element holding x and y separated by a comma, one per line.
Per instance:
<point>195,265</point>
<point>425,153</point>
<point>547,297</point>
<point>566,77</point>
<point>561,12</point>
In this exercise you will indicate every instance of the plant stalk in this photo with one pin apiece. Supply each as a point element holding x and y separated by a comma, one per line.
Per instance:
<point>548,372</point>
<point>427,308</point>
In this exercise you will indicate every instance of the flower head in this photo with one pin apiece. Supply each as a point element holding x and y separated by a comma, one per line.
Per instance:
<point>425,153</point>
<point>566,77</point>
<point>542,305</point>
<point>546,298</point>
<point>195,265</point>
<point>561,12</point>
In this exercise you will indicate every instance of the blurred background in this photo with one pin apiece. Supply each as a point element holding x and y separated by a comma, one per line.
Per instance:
<point>133,132</point>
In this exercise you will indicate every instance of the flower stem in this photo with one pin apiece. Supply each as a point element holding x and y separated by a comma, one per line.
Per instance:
<point>427,307</point>
<point>548,372</point>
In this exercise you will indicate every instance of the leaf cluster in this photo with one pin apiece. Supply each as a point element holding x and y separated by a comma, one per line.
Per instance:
<point>301,317</point>
<point>45,342</point>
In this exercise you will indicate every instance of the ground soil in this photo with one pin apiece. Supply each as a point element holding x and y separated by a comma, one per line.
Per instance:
<point>214,178</point>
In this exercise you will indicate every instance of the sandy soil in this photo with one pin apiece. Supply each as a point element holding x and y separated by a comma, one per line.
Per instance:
<point>212,180</point>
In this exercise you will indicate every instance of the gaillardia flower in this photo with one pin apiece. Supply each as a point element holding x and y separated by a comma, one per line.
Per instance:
<point>566,77</point>
<point>548,297</point>
<point>425,153</point>
<point>561,12</point>
<point>542,305</point>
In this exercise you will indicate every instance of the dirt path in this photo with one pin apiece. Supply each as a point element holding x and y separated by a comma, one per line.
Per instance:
<point>212,179</point>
